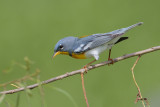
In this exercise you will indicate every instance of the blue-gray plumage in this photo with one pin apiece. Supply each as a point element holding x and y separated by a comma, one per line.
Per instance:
<point>92,45</point>
<point>100,39</point>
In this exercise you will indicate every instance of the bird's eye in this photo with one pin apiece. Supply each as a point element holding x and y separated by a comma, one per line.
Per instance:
<point>61,46</point>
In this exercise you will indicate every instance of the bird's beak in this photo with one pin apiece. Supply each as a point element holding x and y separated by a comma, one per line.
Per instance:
<point>55,54</point>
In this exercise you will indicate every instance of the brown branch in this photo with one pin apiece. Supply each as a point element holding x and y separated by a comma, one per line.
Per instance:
<point>82,70</point>
<point>84,91</point>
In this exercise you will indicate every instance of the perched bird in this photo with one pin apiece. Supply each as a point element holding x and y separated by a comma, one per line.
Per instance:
<point>91,46</point>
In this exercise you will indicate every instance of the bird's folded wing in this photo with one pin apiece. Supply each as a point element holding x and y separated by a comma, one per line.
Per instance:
<point>87,43</point>
<point>90,42</point>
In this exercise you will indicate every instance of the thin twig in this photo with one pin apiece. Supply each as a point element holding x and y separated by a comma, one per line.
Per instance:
<point>84,91</point>
<point>82,70</point>
<point>139,92</point>
<point>26,77</point>
<point>139,95</point>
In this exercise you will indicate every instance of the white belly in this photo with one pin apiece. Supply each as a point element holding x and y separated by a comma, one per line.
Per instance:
<point>96,51</point>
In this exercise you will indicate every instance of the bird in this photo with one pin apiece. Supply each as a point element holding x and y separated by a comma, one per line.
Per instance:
<point>92,45</point>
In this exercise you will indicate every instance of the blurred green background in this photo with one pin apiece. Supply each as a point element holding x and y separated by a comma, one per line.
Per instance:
<point>32,28</point>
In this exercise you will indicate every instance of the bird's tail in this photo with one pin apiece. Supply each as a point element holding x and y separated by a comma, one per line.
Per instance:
<point>132,26</point>
<point>121,31</point>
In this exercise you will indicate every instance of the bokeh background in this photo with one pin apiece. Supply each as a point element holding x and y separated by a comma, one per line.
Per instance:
<point>31,28</point>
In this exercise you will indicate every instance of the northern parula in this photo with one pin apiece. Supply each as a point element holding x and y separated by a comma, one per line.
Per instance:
<point>91,46</point>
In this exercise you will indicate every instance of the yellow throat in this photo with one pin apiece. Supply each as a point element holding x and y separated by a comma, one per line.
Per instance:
<point>77,56</point>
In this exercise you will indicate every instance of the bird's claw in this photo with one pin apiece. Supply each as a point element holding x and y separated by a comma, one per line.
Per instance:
<point>110,59</point>
<point>86,70</point>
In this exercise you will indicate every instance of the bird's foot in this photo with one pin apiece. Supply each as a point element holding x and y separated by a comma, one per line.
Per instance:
<point>110,59</point>
<point>86,68</point>
<point>87,65</point>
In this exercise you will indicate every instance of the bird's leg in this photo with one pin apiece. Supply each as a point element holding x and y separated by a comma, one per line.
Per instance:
<point>110,59</point>
<point>86,66</point>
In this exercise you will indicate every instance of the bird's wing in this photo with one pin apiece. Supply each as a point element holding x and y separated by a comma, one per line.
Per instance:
<point>95,40</point>
<point>90,42</point>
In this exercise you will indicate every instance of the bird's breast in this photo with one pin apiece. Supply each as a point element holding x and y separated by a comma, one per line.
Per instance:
<point>79,56</point>
<point>74,55</point>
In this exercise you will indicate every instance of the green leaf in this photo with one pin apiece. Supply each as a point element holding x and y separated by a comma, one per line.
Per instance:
<point>2,98</point>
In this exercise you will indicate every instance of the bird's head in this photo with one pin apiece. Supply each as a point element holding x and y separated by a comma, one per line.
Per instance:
<point>64,46</point>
